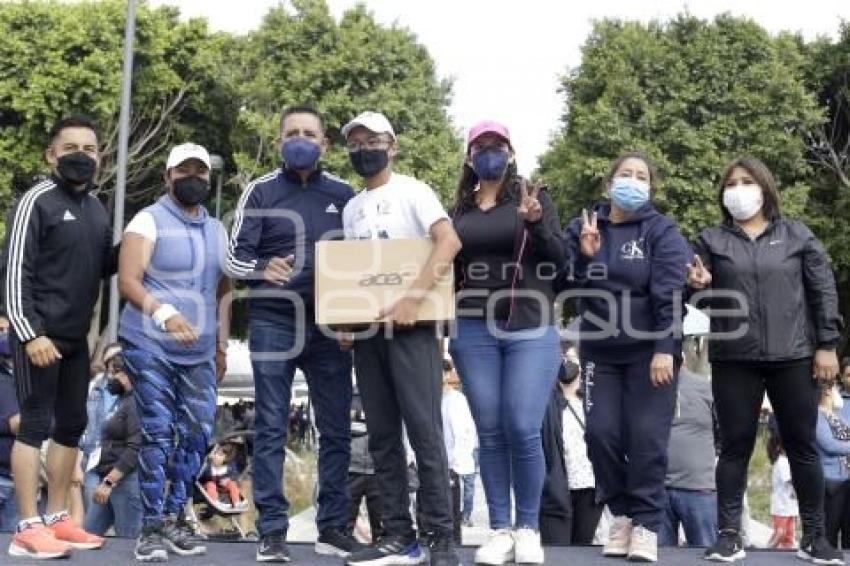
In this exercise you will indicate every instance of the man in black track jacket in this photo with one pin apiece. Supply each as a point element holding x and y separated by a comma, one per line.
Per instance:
<point>57,250</point>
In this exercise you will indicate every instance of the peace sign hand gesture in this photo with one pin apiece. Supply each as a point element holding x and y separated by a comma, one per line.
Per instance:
<point>590,238</point>
<point>529,207</point>
<point>698,276</point>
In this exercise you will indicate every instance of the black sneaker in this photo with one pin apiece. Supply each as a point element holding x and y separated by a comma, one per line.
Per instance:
<point>180,539</point>
<point>442,550</point>
<point>336,542</point>
<point>819,551</point>
<point>149,546</point>
<point>272,548</point>
<point>390,549</point>
<point>728,547</point>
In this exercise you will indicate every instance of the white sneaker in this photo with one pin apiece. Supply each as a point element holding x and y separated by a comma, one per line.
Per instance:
<point>527,547</point>
<point>498,549</point>
<point>619,538</point>
<point>643,546</point>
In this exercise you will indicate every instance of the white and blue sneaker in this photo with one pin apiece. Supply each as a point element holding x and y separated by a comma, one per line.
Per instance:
<point>389,550</point>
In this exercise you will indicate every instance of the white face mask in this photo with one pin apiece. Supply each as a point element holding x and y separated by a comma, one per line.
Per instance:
<point>743,201</point>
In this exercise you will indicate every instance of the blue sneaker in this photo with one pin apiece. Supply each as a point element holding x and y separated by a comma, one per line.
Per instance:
<point>389,550</point>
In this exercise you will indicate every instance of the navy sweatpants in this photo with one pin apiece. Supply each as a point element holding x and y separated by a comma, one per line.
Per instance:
<point>628,428</point>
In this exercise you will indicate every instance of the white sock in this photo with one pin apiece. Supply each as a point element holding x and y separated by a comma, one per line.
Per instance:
<point>53,518</point>
<point>24,524</point>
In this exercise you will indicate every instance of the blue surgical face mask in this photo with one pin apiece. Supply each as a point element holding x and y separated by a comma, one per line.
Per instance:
<point>300,154</point>
<point>490,163</point>
<point>5,350</point>
<point>629,193</point>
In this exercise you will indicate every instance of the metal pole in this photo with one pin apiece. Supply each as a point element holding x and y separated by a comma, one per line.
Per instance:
<point>123,142</point>
<point>218,195</point>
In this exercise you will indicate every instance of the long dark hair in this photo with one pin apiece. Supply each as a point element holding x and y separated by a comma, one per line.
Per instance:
<point>465,194</point>
<point>762,176</point>
<point>773,445</point>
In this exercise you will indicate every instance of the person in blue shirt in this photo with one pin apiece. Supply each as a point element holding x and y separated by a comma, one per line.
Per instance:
<point>278,220</point>
<point>630,262</point>
<point>833,445</point>
<point>10,420</point>
<point>171,276</point>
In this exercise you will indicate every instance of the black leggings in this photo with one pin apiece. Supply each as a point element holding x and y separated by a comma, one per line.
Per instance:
<point>53,399</point>
<point>738,389</point>
<point>835,505</point>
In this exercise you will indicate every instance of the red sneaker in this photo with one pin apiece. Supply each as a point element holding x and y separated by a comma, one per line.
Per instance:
<point>66,530</point>
<point>38,542</point>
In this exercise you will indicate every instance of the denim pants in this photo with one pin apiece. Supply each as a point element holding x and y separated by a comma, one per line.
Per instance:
<point>507,378</point>
<point>8,507</point>
<point>628,429</point>
<point>171,398</point>
<point>275,354</point>
<point>123,510</point>
<point>695,511</point>
<point>468,485</point>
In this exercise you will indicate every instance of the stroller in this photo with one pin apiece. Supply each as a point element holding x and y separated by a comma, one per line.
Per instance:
<point>238,444</point>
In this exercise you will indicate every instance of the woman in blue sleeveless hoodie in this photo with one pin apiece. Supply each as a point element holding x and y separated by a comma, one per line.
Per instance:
<point>627,263</point>
<point>170,273</point>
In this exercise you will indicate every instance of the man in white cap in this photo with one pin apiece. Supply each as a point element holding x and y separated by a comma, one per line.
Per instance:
<point>171,276</point>
<point>399,373</point>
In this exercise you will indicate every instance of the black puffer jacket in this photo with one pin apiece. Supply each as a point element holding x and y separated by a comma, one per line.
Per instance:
<point>785,279</point>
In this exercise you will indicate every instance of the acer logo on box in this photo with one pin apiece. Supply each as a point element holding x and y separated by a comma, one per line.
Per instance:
<point>356,279</point>
<point>383,279</point>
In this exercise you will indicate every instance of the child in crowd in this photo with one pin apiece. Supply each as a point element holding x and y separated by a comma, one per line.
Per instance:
<point>783,499</point>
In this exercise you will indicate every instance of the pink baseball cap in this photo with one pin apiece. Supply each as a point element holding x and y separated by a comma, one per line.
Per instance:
<point>487,127</point>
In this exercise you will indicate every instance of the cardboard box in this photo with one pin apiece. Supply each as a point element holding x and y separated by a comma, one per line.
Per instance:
<point>355,279</point>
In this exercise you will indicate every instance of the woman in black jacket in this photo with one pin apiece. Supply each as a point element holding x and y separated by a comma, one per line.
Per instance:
<point>116,499</point>
<point>781,340</point>
<point>506,347</point>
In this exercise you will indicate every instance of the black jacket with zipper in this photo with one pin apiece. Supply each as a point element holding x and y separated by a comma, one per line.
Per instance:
<point>785,279</point>
<point>538,253</point>
<point>58,248</point>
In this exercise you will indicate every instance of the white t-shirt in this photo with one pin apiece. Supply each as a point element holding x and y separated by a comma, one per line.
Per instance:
<point>142,224</point>
<point>403,208</point>
<point>579,468</point>
<point>783,500</point>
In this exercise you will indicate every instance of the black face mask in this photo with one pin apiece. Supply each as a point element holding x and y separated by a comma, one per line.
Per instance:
<point>369,162</point>
<point>115,387</point>
<point>76,168</point>
<point>568,372</point>
<point>191,191</point>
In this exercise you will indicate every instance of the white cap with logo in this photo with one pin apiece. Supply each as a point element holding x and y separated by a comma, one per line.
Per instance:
<point>185,152</point>
<point>372,121</point>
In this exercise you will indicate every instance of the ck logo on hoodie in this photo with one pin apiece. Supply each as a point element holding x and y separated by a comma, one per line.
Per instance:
<point>632,250</point>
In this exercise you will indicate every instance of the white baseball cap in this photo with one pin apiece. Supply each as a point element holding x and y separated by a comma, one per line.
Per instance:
<point>186,151</point>
<point>372,121</point>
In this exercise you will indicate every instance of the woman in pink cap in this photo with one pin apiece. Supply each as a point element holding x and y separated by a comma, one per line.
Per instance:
<point>506,347</point>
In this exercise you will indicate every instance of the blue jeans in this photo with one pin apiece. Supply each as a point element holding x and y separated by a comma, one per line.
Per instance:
<point>123,510</point>
<point>328,374</point>
<point>171,398</point>
<point>468,485</point>
<point>696,511</point>
<point>8,507</point>
<point>508,380</point>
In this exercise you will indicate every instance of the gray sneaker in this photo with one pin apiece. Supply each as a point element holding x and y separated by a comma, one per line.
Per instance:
<point>150,547</point>
<point>180,539</point>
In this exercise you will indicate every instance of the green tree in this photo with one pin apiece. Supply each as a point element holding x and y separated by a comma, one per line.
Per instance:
<point>57,59</point>
<point>693,94</point>
<point>828,75</point>
<point>305,56</point>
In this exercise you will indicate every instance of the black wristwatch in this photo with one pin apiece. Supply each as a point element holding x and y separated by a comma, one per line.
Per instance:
<point>108,482</point>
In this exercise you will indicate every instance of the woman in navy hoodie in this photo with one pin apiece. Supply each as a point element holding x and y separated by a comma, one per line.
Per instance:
<point>628,266</point>
<point>507,347</point>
